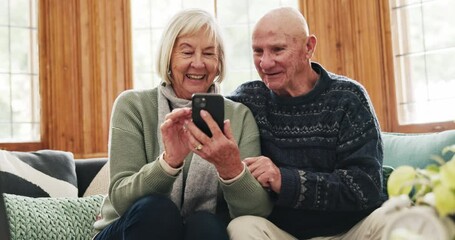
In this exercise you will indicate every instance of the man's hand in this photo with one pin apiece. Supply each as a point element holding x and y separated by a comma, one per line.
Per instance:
<point>265,171</point>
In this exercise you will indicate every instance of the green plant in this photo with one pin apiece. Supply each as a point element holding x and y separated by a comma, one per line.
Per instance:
<point>434,185</point>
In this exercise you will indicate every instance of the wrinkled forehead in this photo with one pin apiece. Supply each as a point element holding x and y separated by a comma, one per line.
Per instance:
<point>274,34</point>
<point>283,22</point>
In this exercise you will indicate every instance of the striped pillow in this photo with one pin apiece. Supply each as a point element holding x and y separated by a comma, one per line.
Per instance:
<point>44,173</point>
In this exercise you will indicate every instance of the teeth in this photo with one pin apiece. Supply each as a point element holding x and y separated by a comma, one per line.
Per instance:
<point>195,76</point>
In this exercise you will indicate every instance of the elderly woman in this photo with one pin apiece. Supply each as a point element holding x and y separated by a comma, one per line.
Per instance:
<point>163,186</point>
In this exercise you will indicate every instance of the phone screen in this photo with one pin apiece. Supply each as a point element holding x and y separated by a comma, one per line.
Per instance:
<point>212,103</point>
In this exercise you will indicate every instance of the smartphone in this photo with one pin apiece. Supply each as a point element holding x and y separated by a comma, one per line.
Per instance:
<point>212,103</point>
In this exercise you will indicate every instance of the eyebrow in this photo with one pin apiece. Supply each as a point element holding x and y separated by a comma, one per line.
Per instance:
<point>185,44</point>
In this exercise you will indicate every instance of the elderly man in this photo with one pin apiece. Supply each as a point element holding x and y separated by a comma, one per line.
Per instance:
<point>320,140</point>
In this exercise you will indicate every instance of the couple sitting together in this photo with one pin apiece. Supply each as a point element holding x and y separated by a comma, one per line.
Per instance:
<point>299,155</point>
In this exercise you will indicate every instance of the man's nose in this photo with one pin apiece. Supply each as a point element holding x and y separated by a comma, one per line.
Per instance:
<point>267,61</point>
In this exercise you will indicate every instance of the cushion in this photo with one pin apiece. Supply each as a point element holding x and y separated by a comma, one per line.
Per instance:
<point>44,173</point>
<point>415,149</point>
<point>100,183</point>
<point>51,218</point>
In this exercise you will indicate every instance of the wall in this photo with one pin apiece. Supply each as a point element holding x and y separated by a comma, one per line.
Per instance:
<point>85,62</point>
<point>354,40</point>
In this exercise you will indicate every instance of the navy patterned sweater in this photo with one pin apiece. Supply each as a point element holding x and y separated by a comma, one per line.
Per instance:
<point>328,147</point>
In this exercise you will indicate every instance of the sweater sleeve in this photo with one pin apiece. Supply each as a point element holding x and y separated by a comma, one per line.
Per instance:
<point>246,196</point>
<point>132,175</point>
<point>355,180</point>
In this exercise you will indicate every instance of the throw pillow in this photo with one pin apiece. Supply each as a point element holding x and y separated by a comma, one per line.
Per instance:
<point>44,173</point>
<point>415,149</point>
<point>100,183</point>
<point>51,218</point>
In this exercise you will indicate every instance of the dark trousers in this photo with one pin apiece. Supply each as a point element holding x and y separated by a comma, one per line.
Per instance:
<point>157,217</point>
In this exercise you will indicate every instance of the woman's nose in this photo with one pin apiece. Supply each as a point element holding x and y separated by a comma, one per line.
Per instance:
<point>197,62</point>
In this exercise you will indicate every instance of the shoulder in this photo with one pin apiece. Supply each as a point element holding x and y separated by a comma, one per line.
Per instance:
<point>253,94</point>
<point>345,88</point>
<point>135,103</point>
<point>248,89</point>
<point>133,97</point>
<point>237,108</point>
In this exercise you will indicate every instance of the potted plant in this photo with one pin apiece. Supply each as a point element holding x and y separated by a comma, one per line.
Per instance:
<point>426,196</point>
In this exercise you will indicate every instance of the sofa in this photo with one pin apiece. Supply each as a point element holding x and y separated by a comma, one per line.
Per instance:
<point>91,181</point>
<point>50,195</point>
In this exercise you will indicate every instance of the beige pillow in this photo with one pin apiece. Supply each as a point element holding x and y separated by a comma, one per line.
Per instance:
<point>100,183</point>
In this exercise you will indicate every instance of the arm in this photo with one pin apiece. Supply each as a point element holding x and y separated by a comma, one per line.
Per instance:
<point>245,196</point>
<point>353,180</point>
<point>133,175</point>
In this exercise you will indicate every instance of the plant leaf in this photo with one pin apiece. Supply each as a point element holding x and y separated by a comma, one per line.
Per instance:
<point>400,181</point>
<point>445,200</point>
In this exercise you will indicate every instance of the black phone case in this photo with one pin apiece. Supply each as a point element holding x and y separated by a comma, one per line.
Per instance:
<point>212,103</point>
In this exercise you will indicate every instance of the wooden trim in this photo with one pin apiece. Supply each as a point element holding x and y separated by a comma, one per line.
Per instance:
<point>23,146</point>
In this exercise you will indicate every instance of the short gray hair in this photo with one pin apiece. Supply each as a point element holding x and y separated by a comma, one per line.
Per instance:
<point>188,22</point>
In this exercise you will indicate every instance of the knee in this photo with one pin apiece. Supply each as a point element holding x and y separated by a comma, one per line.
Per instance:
<point>247,227</point>
<point>152,207</point>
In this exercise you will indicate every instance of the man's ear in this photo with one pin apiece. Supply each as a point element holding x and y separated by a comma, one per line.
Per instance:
<point>311,42</point>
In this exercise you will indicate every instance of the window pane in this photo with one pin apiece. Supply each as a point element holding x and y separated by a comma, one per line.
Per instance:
<point>5,99</point>
<point>23,132</point>
<point>256,11</point>
<point>234,79</point>
<point>19,13</point>
<point>20,49</point>
<point>424,46</point>
<point>413,85</point>
<point>21,86</point>
<point>142,50</point>
<point>227,16</point>
<point>399,3</point>
<point>4,50</point>
<point>207,5</point>
<point>19,82</point>
<point>162,11</point>
<point>238,47</point>
<point>442,84</point>
<point>3,12</point>
<point>439,24</point>
<point>408,29</point>
<point>141,14</point>
<point>7,132</point>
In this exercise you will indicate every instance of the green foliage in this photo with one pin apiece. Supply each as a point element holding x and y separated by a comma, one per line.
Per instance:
<point>434,185</point>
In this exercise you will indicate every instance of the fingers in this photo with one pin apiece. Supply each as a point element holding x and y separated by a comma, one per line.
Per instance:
<point>179,114</point>
<point>213,126</point>
<point>227,129</point>
<point>265,172</point>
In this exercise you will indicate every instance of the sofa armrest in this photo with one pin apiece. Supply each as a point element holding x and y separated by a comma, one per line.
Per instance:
<point>86,170</point>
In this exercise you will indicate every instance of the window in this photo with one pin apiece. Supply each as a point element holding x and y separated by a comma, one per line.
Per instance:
<point>423,39</point>
<point>19,91</point>
<point>236,18</point>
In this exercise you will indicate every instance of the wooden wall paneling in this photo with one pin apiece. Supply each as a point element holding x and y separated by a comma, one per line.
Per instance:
<point>59,77</point>
<point>109,71</point>
<point>85,64</point>
<point>350,42</point>
<point>389,93</point>
<point>369,54</point>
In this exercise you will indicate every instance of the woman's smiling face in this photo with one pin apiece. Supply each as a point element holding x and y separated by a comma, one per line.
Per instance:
<point>194,64</point>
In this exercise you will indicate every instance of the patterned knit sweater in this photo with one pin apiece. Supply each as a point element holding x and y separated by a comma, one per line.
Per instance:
<point>328,147</point>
